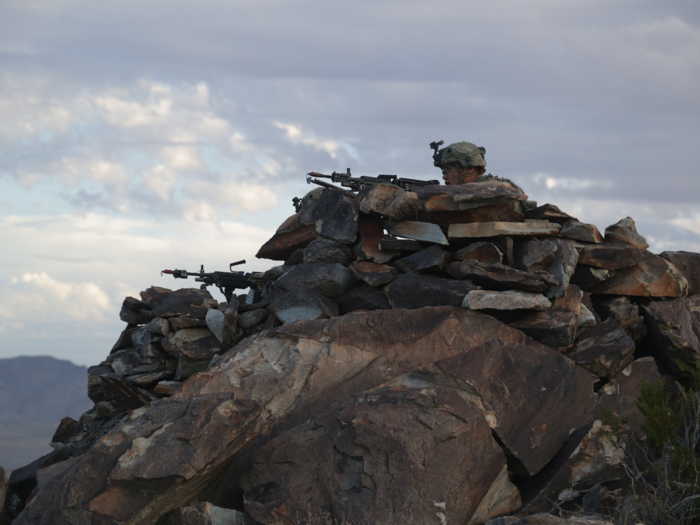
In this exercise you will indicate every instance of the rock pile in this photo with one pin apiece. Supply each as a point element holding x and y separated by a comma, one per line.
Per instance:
<point>419,357</point>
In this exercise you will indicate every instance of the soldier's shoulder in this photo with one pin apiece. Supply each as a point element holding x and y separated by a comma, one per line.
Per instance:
<point>490,176</point>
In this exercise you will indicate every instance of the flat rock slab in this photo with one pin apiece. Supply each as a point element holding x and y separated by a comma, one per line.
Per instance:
<point>604,349</point>
<point>477,230</point>
<point>389,201</point>
<point>364,297</point>
<point>162,455</point>
<point>400,245</point>
<point>548,212</point>
<point>282,245</point>
<point>610,256</point>
<point>432,259</point>
<point>533,398</point>
<point>413,290</point>
<point>508,300</point>
<point>688,263</point>
<point>419,231</point>
<point>384,459</point>
<point>372,273</point>
<point>501,277</point>
<point>625,232</point>
<point>673,326</point>
<point>581,231</point>
<point>653,277</point>
<point>484,252</point>
<point>468,196</point>
<point>504,213</point>
<point>302,304</point>
<point>331,280</point>
<point>195,343</point>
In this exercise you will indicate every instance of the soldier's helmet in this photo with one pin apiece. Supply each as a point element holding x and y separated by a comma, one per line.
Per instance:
<point>465,154</point>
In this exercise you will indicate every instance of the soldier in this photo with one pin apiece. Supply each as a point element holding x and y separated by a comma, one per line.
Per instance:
<point>464,162</point>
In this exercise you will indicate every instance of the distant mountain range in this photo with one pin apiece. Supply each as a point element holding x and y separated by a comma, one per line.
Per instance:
<point>35,394</point>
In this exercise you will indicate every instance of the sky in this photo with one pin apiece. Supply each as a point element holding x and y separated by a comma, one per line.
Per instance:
<point>140,136</point>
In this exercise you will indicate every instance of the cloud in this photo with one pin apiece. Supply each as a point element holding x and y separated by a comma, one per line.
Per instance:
<point>295,135</point>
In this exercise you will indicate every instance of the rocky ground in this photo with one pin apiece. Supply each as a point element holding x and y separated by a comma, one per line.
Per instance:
<point>419,357</point>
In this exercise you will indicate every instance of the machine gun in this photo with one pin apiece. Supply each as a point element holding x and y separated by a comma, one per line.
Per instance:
<point>227,282</point>
<point>357,183</point>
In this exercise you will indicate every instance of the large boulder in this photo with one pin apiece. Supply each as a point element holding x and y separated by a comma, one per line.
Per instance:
<point>162,455</point>
<point>501,277</point>
<point>402,455</point>
<point>331,280</point>
<point>414,290</point>
<point>603,349</point>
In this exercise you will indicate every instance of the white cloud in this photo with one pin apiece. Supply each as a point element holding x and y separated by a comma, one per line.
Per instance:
<point>295,135</point>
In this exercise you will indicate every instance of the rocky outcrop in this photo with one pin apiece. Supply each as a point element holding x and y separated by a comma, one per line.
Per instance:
<point>376,379</point>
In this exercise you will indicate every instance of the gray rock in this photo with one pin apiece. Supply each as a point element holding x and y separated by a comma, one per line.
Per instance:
<point>3,493</point>
<point>195,343</point>
<point>252,317</point>
<point>587,317</point>
<point>580,231</point>
<point>215,323</point>
<point>388,201</point>
<point>302,304</point>
<point>610,256</point>
<point>135,312</point>
<point>586,277</point>
<point>625,312</point>
<point>476,230</point>
<point>331,280</point>
<point>124,340</point>
<point>508,300</point>
<point>178,323</point>
<point>400,245</point>
<point>604,349</point>
<point>548,212</point>
<point>563,267</point>
<point>414,290</point>
<point>432,259</point>
<point>229,330</point>
<point>335,216</point>
<point>125,360</point>
<point>501,277</point>
<point>205,514</point>
<point>328,252</point>
<point>625,232</point>
<point>534,254</point>
<point>189,305</point>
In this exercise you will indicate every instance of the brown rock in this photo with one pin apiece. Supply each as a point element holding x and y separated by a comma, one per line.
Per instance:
<point>653,277</point>
<point>178,323</point>
<point>302,304</point>
<point>545,519</point>
<point>508,300</point>
<point>556,327</point>
<point>370,233</point>
<point>414,290</point>
<point>166,388</point>
<point>549,212</point>
<point>283,245</point>
<point>430,260</point>
<point>625,232</point>
<point>500,277</point>
<point>388,200</point>
<point>327,251</point>
<point>505,213</point>
<point>673,327</point>
<point>384,459</point>
<point>477,230</point>
<point>484,252</point>
<point>163,455</point>
<point>331,280</point>
<point>610,256</point>
<point>468,196</point>
<point>399,245</point>
<point>580,231</point>
<point>604,349</point>
<point>189,305</point>
<point>625,312</point>
<point>372,273</point>
<point>535,254</point>
<point>135,312</point>
<point>688,264</point>
<point>420,231</point>
<point>23,480</point>
<point>533,398</point>
<point>364,297</point>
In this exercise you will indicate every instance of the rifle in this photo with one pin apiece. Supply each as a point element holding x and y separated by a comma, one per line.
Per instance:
<point>227,282</point>
<point>357,183</point>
